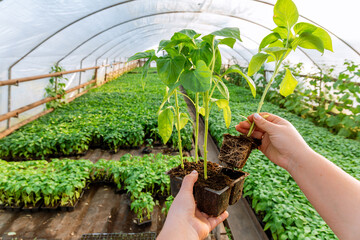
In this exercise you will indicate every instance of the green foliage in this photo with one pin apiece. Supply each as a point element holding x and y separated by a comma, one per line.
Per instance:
<point>58,182</point>
<point>56,87</point>
<point>274,194</point>
<point>118,114</point>
<point>61,182</point>
<point>195,64</point>
<point>286,37</point>
<point>335,103</point>
<point>145,179</point>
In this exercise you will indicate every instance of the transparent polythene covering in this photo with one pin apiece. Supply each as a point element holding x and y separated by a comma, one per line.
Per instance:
<point>36,34</point>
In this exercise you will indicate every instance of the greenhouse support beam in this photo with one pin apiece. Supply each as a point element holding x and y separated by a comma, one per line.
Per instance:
<point>63,28</point>
<point>16,112</point>
<point>18,125</point>
<point>315,77</point>
<point>26,79</point>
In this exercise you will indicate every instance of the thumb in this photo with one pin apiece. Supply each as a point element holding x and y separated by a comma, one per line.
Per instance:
<point>189,181</point>
<point>264,124</point>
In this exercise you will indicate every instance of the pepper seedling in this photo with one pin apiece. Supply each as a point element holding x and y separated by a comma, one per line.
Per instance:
<point>287,36</point>
<point>195,64</point>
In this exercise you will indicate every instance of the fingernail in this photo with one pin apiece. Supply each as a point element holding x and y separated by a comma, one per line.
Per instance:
<point>194,172</point>
<point>257,116</point>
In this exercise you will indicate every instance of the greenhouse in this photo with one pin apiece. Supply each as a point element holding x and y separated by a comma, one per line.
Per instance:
<point>179,119</point>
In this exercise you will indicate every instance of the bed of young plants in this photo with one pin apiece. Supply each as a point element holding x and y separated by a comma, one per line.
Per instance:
<point>275,195</point>
<point>334,104</point>
<point>60,182</point>
<point>118,114</point>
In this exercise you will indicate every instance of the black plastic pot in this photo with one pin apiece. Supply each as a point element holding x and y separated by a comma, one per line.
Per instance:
<point>237,187</point>
<point>50,208</point>
<point>33,208</point>
<point>214,202</point>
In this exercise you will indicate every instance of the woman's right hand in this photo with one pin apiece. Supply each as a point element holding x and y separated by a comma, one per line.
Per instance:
<point>281,142</point>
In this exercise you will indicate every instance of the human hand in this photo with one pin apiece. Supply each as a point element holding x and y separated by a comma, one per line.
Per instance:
<point>184,220</point>
<point>281,142</point>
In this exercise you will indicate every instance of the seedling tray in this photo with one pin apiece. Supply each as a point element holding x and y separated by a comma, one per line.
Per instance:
<point>14,208</point>
<point>119,236</point>
<point>33,208</point>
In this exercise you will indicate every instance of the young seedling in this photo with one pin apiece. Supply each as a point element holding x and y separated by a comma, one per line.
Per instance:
<point>195,64</point>
<point>287,36</point>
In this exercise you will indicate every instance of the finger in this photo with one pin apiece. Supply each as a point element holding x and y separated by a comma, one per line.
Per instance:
<point>198,214</point>
<point>214,221</point>
<point>257,134</point>
<point>264,124</point>
<point>243,125</point>
<point>189,181</point>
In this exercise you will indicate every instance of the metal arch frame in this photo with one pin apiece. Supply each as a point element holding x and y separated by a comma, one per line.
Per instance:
<point>119,51</point>
<point>116,46</point>
<point>342,40</point>
<point>128,1</point>
<point>175,12</point>
<point>63,28</point>
<point>148,26</point>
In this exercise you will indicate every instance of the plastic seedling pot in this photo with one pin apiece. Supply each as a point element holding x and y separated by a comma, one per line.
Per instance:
<point>33,208</point>
<point>50,208</point>
<point>235,150</point>
<point>210,201</point>
<point>238,183</point>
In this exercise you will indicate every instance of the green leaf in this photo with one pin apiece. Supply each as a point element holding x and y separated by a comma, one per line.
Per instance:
<point>227,116</point>
<point>272,37</point>
<point>169,68</point>
<point>228,33</point>
<point>236,69</point>
<point>203,53</point>
<point>184,118</point>
<point>222,103</point>
<point>228,41</point>
<point>302,27</point>
<point>209,39</point>
<point>163,44</point>
<point>165,124</point>
<point>218,62</point>
<point>223,88</point>
<point>309,41</point>
<point>198,79</point>
<point>276,52</point>
<point>256,62</point>
<point>202,111</point>
<point>285,13</point>
<point>325,38</point>
<point>190,33</point>
<point>288,84</point>
<point>140,55</point>
<point>282,31</point>
<point>180,37</point>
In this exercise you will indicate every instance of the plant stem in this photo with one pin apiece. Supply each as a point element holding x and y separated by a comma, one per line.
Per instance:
<point>197,127</point>
<point>277,66</point>
<point>177,110</point>
<point>207,113</point>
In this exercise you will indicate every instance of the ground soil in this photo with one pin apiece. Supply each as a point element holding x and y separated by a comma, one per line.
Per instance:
<point>216,180</point>
<point>235,150</point>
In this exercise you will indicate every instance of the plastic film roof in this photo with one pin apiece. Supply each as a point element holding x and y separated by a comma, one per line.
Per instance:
<point>36,34</point>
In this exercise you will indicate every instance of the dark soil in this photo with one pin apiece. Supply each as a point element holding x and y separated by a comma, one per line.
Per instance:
<point>235,150</point>
<point>216,180</point>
